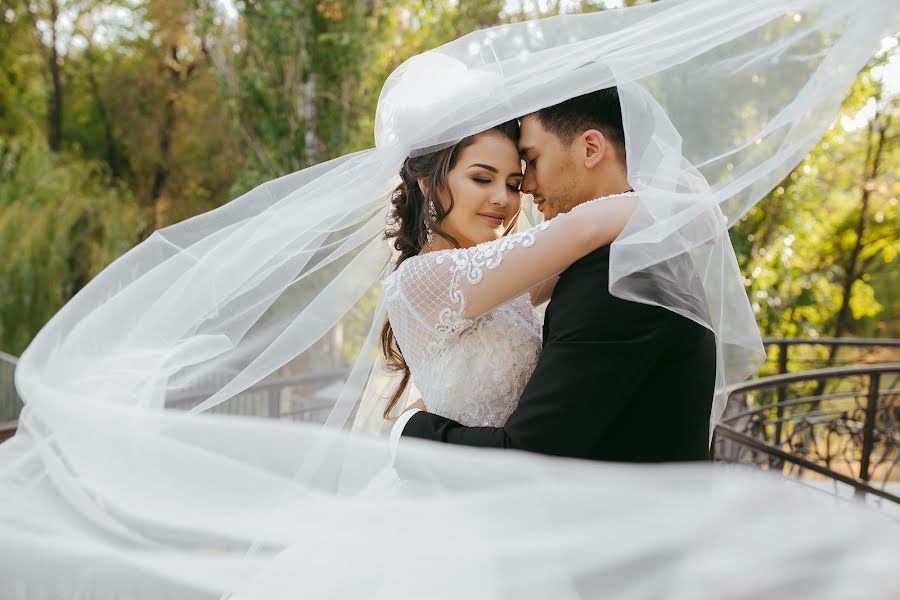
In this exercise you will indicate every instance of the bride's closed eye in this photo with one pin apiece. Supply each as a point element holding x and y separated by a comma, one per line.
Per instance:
<point>511,186</point>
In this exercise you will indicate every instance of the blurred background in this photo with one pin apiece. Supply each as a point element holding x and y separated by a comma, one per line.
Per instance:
<point>117,118</point>
<point>121,117</point>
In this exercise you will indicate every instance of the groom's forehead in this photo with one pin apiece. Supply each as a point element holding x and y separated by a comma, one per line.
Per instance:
<point>529,132</point>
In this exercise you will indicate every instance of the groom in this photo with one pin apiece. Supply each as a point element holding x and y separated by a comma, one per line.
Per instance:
<point>616,380</point>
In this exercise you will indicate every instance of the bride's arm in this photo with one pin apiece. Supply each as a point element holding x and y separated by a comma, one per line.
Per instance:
<point>498,271</point>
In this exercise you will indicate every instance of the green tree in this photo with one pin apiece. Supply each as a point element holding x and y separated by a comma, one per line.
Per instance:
<point>61,222</point>
<point>819,252</point>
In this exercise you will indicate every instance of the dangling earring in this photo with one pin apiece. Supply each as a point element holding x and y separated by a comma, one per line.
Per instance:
<point>432,218</point>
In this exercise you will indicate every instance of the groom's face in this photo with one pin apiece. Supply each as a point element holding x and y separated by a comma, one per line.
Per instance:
<point>551,175</point>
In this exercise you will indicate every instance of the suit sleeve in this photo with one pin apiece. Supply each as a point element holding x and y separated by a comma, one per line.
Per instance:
<point>576,392</point>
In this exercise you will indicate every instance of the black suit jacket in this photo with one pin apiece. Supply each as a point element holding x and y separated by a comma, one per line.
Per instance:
<point>616,380</point>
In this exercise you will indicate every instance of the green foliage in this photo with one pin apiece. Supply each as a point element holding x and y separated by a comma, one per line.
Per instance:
<point>61,222</point>
<point>799,248</point>
<point>176,108</point>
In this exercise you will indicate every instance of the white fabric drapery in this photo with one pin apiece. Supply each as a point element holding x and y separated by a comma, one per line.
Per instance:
<point>138,471</point>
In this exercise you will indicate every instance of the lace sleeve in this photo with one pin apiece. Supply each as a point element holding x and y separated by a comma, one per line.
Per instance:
<point>427,295</point>
<point>440,293</point>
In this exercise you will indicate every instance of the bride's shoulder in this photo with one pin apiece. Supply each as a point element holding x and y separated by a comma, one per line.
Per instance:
<point>407,272</point>
<point>422,279</point>
<point>429,262</point>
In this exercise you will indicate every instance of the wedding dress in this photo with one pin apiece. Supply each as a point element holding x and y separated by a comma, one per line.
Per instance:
<point>474,372</point>
<point>469,370</point>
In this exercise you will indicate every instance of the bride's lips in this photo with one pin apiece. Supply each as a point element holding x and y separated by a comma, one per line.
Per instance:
<point>496,220</point>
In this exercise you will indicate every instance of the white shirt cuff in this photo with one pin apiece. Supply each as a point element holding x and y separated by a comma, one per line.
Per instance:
<point>397,431</point>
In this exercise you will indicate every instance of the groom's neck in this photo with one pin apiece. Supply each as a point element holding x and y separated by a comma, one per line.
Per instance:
<point>607,184</point>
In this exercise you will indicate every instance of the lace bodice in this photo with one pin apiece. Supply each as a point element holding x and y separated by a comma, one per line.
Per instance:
<point>469,370</point>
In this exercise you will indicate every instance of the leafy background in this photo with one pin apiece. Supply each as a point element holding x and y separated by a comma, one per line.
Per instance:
<point>118,117</point>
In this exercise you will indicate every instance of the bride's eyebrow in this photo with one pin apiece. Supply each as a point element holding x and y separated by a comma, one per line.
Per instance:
<point>484,166</point>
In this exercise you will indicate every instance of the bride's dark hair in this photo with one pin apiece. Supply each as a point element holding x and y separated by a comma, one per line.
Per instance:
<point>406,223</point>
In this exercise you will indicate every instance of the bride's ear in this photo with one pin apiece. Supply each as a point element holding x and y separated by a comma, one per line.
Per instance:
<point>595,146</point>
<point>422,187</point>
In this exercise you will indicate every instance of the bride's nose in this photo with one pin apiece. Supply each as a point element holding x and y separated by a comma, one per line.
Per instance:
<point>499,197</point>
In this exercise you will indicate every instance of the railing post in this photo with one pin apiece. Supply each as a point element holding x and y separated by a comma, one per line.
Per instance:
<point>274,398</point>
<point>869,427</point>
<point>782,357</point>
<point>780,398</point>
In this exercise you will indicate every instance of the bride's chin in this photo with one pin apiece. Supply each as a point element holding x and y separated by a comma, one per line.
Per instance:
<point>496,232</point>
<point>486,235</point>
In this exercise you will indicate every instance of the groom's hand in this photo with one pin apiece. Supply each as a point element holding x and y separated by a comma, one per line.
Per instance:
<point>420,404</point>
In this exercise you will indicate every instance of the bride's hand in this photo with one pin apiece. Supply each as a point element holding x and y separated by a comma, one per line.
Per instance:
<point>420,404</point>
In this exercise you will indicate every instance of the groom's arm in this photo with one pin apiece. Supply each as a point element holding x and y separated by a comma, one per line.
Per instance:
<point>397,430</point>
<point>576,393</point>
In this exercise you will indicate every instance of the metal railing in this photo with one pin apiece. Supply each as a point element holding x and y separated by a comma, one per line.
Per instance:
<point>294,397</point>
<point>847,351</point>
<point>303,397</point>
<point>10,403</point>
<point>851,434</point>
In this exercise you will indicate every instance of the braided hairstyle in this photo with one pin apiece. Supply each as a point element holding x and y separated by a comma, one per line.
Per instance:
<point>407,224</point>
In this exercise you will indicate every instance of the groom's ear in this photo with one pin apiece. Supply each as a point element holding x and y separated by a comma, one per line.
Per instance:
<point>594,147</point>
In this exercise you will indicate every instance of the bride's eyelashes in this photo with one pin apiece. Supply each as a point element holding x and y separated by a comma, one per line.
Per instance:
<point>511,186</point>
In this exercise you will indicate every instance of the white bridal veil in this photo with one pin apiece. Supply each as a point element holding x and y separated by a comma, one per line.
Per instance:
<point>188,429</point>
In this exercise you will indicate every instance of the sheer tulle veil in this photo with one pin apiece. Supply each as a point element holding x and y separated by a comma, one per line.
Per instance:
<point>190,414</point>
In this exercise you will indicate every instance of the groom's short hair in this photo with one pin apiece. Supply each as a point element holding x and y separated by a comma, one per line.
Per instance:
<point>598,110</point>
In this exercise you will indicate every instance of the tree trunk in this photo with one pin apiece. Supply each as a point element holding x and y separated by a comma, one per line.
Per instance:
<point>309,112</point>
<point>852,271</point>
<point>308,109</point>
<point>166,132</point>
<point>55,99</point>
<point>179,74</point>
<point>346,107</point>
<point>116,161</point>
<point>79,259</point>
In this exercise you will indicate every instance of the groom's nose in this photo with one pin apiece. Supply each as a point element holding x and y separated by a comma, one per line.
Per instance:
<point>528,182</point>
